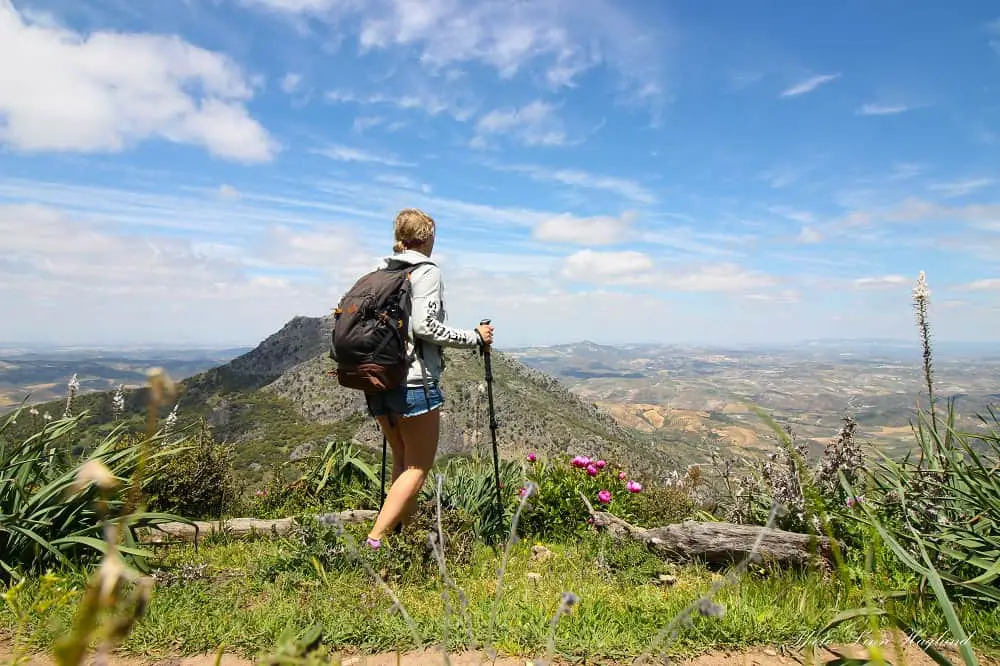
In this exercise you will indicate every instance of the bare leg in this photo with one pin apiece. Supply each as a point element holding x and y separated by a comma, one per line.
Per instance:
<point>396,445</point>
<point>420,441</point>
<point>395,438</point>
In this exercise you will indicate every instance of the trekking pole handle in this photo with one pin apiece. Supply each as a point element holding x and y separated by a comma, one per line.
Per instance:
<point>484,351</point>
<point>484,322</point>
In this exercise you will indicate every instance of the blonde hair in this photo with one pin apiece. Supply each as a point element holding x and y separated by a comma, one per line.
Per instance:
<point>413,227</point>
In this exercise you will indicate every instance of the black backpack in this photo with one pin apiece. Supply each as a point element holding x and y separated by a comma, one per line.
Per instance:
<point>371,329</point>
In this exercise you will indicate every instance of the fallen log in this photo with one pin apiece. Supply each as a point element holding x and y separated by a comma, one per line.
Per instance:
<point>720,543</point>
<point>239,527</point>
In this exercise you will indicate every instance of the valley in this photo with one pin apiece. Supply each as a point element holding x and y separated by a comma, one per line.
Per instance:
<point>40,375</point>
<point>711,392</point>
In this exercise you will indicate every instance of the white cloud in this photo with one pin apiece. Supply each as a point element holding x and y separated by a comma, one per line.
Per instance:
<point>349,154</point>
<point>809,236</point>
<point>803,216</point>
<point>905,171</point>
<point>808,85</point>
<point>298,6</point>
<point>636,268</point>
<point>228,193</point>
<point>290,82</point>
<point>551,43</point>
<point>63,253</point>
<point>779,297</point>
<point>460,107</point>
<point>607,267</point>
<point>687,242</point>
<point>602,230</point>
<point>875,109</point>
<point>725,277</point>
<point>68,274</point>
<point>623,187</point>
<point>983,216</point>
<point>882,282</point>
<point>107,91</point>
<point>534,124</point>
<point>295,248</point>
<point>569,38</point>
<point>499,34</point>
<point>961,187</point>
<point>989,284</point>
<point>362,123</point>
<point>201,211</point>
<point>403,182</point>
<point>78,281</point>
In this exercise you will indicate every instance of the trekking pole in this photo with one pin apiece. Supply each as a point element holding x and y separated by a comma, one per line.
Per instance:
<point>485,351</point>
<point>381,499</point>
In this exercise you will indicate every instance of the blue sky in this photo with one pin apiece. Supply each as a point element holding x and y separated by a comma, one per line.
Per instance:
<point>200,171</point>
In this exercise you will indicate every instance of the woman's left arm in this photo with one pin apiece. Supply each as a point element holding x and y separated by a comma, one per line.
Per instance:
<point>426,299</point>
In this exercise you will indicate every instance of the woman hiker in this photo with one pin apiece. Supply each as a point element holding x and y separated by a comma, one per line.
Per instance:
<point>413,430</point>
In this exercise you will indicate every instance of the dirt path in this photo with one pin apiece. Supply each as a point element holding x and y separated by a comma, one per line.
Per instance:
<point>912,656</point>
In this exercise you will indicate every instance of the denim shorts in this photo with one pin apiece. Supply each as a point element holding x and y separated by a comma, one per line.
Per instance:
<point>405,400</point>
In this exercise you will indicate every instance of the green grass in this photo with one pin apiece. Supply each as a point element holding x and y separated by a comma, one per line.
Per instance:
<point>251,592</point>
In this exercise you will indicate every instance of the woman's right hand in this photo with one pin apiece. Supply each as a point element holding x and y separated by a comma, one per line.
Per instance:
<point>486,333</point>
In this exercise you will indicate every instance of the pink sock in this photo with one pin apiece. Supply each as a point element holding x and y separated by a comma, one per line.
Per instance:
<point>374,544</point>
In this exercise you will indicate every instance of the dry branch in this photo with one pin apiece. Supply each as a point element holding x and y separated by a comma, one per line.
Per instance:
<point>719,543</point>
<point>239,527</point>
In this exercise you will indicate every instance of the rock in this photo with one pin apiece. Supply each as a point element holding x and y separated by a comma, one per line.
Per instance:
<point>666,579</point>
<point>540,553</point>
<point>301,451</point>
<point>770,652</point>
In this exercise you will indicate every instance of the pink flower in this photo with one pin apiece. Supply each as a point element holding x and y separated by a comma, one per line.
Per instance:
<point>601,464</point>
<point>532,457</point>
<point>633,487</point>
<point>523,492</point>
<point>604,496</point>
<point>591,470</point>
<point>622,476</point>
<point>580,461</point>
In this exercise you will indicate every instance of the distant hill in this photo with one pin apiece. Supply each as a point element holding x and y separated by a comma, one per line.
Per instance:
<point>278,401</point>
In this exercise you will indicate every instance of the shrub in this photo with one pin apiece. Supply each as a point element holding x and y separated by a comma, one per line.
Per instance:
<point>339,478</point>
<point>405,556</point>
<point>808,493</point>
<point>198,481</point>
<point>660,505</point>
<point>558,511</point>
<point>627,561</point>
<point>469,486</point>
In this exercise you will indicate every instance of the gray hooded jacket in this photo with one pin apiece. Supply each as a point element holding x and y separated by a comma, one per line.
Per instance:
<point>427,319</point>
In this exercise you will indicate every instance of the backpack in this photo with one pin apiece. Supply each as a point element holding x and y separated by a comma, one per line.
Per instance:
<point>371,330</point>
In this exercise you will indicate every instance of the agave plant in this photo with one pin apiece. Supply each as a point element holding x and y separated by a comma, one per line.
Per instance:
<point>469,485</point>
<point>950,497</point>
<point>342,464</point>
<point>48,518</point>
